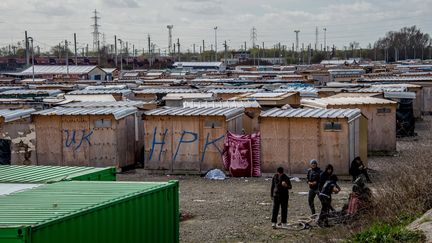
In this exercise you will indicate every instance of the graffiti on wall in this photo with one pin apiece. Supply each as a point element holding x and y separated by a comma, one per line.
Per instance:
<point>187,137</point>
<point>75,139</point>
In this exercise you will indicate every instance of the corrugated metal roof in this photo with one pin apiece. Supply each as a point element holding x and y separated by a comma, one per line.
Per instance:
<point>267,95</point>
<point>166,91</point>
<point>376,89</point>
<point>185,111</point>
<point>49,92</point>
<point>94,104</point>
<point>180,96</point>
<point>197,64</point>
<point>324,102</point>
<point>396,79</point>
<point>117,112</point>
<point>12,115</point>
<point>99,91</point>
<point>43,174</point>
<point>222,104</point>
<point>233,91</point>
<point>58,69</point>
<point>297,89</point>
<point>312,113</point>
<point>106,87</point>
<point>50,202</point>
<point>6,88</point>
<point>399,95</point>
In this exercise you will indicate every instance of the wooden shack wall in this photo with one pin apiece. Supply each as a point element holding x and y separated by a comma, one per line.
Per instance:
<point>335,145</point>
<point>381,126</point>
<point>145,97</point>
<point>78,141</point>
<point>188,143</point>
<point>427,100</point>
<point>292,143</point>
<point>251,120</point>
<point>22,135</point>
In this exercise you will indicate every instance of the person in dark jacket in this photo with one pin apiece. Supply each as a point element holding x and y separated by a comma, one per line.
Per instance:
<point>279,194</point>
<point>325,176</point>
<point>313,180</point>
<point>357,168</point>
<point>325,196</point>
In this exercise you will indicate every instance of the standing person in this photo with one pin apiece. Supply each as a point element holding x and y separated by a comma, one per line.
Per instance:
<point>279,194</point>
<point>325,197</point>
<point>313,180</point>
<point>357,168</point>
<point>325,176</point>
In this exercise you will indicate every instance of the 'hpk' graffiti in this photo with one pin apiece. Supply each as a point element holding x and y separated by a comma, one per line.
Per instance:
<point>186,137</point>
<point>71,141</point>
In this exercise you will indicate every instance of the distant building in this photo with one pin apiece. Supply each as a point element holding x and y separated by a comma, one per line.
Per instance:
<point>63,71</point>
<point>205,66</point>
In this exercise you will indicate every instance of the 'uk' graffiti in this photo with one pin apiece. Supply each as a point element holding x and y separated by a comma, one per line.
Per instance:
<point>186,137</point>
<point>71,140</point>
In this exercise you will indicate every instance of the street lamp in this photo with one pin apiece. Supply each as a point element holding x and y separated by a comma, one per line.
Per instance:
<point>121,55</point>
<point>215,29</point>
<point>32,53</point>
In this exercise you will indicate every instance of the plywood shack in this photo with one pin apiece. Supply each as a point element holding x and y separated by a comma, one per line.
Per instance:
<point>102,136</point>
<point>188,139</point>
<point>292,137</point>
<point>17,137</point>
<point>229,93</point>
<point>381,115</point>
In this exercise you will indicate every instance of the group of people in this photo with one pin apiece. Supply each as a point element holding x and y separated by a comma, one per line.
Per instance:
<point>322,184</point>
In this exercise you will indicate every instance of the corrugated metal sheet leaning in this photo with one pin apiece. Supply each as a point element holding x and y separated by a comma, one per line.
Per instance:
<point>12,115</point>
<point>78,211</point>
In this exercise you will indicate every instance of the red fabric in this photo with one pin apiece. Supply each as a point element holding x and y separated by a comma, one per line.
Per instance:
<point>353,204</point>
<point>241,155</point>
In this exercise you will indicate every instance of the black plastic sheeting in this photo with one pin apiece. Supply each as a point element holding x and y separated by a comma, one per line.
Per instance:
<point>405,121</point>
<point>5,152</point>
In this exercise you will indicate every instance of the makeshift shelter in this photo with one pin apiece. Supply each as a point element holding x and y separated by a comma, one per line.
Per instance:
<point>381,115</point>
<point>292,137</point>
<point>92,136</point>
<point>188,139</point>
<point>17,137</point>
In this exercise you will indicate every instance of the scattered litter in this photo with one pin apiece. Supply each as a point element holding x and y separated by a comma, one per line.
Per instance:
<point>303,193</point>
<point>199,200</point>
<point>267,179</point>
<point>246,180</point>
<point>215,174</point>
<point>296,179</point>
<point>264,203</point>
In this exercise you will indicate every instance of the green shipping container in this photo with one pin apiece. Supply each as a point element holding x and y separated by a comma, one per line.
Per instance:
<point>78,211</point>
<point>49,174</point>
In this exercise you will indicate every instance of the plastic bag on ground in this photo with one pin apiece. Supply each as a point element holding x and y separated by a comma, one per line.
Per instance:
<point>215,174</point>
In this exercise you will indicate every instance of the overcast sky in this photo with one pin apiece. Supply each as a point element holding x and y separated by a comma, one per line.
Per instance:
<point>50,21</point>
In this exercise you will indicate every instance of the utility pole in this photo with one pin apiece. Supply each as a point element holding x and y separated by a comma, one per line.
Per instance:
<point>75,47</point>
<point>194,48</point>
<point>32,54</point>
<point>178,48</point>
<point>225,52</point>
<point>215,29</point>
<point>27,49</point>
<point>316,38</point>
<point>67,58</point>
<point>133,56</point>
<point>121,56</point>
<point>115,50</point>
<point>297,39</point>
<point>98,51</point>
<point>170,27</point>
<point>263,47</point>
<point>325,40</point>
<point>203,50</point>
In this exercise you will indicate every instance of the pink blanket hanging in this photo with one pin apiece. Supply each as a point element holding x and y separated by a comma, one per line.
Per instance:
<point>241,155</point>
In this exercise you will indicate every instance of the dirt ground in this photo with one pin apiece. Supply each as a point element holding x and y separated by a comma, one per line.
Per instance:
<point>239,209</point>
